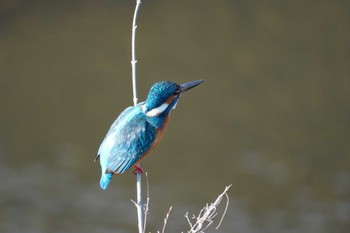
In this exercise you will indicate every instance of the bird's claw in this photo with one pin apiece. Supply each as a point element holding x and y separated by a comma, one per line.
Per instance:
<point>137,170</point>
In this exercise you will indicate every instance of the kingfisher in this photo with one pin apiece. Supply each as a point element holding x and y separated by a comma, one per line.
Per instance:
<point>139,129</point>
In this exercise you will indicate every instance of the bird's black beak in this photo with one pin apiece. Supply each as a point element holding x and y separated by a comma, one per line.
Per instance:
<point>190,85</point>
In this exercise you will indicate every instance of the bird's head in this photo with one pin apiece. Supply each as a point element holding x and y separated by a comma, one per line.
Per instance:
<point>164,95</point>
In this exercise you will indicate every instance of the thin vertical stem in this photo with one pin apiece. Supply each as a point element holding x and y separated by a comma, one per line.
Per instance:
<point>139,204</point>
<point>133,52</point>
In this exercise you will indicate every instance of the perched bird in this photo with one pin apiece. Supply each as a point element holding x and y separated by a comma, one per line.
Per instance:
<point>138,129</point>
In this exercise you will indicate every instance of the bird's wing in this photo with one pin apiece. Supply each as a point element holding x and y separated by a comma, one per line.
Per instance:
<point>112,129</point>
<point>102,147</point>
<point>129,137</point>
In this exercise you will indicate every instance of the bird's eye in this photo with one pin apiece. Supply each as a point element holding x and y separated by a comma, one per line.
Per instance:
<point>177,92</point>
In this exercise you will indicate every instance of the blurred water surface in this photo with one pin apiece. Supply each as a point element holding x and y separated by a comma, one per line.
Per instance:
<point>272,117</point>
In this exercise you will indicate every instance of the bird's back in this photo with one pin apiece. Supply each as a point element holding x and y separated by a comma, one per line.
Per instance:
<point>129,137</point>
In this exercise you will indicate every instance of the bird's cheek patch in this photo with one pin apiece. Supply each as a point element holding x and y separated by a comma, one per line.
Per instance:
<point>158,110</point>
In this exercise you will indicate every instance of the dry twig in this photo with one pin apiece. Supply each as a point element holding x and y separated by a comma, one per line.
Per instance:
<point>207,214</point>
<point>139,204</point>
<point>166,219</point>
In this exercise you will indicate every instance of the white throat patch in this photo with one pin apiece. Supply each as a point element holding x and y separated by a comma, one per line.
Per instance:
<point>156,111</point>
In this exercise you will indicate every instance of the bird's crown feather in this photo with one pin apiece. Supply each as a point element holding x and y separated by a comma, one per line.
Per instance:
<point>159,93</point>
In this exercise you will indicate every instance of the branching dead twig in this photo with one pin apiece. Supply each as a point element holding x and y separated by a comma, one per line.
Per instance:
<point>207,214</point>
<point>166,218</point>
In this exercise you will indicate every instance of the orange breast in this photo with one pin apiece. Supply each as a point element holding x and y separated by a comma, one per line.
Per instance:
<point>160,132</point>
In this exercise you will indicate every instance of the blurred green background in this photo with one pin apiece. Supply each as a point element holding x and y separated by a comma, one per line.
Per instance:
<point>272,118</point>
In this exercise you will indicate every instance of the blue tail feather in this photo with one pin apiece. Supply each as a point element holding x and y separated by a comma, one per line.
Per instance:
<point>105,179</point>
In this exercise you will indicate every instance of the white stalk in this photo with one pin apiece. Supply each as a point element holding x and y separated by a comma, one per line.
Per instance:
<point>133,66</point>
<point>133,52</point>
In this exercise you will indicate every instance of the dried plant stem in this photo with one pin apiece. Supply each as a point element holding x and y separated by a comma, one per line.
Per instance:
<point>133,66</point>
<point>133,51</point>
<point>166,219</point>
<point>139,202</point>
<point>207,214</point>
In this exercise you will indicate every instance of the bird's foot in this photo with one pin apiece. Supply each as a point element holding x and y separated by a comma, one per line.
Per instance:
<point>138,170</point>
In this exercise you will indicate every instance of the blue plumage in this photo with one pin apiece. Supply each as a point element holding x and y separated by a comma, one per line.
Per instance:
<point>160,92</point>
<point>138,129</point>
